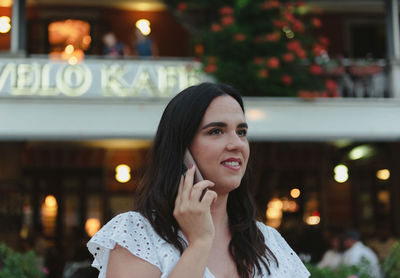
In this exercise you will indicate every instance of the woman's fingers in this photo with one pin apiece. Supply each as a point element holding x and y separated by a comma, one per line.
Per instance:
<point>209,197</point>
<point>199,189</point>
<point>188,183</point>
<point>179,194</point>
<point>192,212</point>
<point>187,192</point>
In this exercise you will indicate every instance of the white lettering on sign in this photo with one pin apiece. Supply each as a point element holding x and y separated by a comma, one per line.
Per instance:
<point>8,73</point>
<point>113,82</point>
<point>74,81</point>
<point>45,85</point>
<point>97,78</point>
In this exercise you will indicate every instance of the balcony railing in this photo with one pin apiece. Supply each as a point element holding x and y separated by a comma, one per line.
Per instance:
<point>360,78</point>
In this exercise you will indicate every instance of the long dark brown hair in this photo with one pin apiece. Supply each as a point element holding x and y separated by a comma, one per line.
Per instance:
<point>155,196</point>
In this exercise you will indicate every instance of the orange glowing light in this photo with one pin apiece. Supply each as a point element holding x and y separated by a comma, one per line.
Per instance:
<point>295,193</point>
<point>92,225</point>
<point>73,36</point>
<point>50,201</point>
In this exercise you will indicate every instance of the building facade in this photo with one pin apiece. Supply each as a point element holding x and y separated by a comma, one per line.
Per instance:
<point>70,117</point>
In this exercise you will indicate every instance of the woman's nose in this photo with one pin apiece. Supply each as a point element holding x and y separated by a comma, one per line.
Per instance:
<point>235,142</point>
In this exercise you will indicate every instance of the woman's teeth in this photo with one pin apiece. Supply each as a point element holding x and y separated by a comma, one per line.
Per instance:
<point>231,163</point>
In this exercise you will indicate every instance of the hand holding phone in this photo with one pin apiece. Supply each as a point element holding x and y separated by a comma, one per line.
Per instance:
<point>195,224</point>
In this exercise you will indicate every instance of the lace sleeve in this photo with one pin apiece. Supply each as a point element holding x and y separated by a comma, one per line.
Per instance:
<point>290,264</point>
<point>129,230</point>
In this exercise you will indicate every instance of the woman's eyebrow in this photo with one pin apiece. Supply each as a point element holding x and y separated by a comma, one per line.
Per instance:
<point>212,124</point>
<point>222,124</point>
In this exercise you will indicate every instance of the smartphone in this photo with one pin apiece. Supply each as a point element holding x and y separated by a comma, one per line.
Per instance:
<point>188,160</point>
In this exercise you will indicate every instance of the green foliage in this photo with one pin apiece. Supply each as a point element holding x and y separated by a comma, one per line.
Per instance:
<point>262,47</point>
<point>391,266</point>
<point>343,271</point>
<point>17,265</point>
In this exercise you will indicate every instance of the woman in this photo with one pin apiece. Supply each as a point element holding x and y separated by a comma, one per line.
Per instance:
<point>204,229</point>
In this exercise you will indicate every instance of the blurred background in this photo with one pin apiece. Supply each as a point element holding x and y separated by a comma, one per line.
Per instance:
<point>83,85</point>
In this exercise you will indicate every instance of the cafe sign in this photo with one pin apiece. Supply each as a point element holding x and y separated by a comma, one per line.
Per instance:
<point>97,78</point>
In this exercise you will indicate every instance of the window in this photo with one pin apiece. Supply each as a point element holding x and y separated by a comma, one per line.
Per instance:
<point>68,39</point>
<point>367,38</point>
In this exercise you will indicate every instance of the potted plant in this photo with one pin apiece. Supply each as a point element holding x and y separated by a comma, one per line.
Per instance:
<point>19,265</point>
<point>391,265</point>
<point>343,271</point>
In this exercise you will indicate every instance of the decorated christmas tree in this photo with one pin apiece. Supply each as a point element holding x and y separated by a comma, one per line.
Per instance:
<point>263,48</point>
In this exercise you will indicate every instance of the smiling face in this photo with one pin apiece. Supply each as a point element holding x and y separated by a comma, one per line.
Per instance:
<point>220,147</point>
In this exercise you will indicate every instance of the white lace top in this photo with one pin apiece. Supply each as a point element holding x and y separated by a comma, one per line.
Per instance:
<point>134,232</point>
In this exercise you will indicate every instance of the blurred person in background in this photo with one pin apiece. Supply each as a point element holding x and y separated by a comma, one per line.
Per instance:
<point>383,242</point>
<point>143,45</point>
<point>356,251</point>
<point>80,265</point>
<point>78,259</point>
<point>332,258</point>
<point>112,47</point>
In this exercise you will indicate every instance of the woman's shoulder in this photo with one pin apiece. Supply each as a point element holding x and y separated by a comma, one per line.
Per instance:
<point>268,231</point>
<point>131,226</point>
<point>132,215</point>
<point>128,218</point>
<point>289,262</point>
<point>263,227</point>
<point>130,230</point>
<point>274,239</point>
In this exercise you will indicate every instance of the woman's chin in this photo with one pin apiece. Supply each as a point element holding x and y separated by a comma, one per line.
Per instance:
<point>227,185</point>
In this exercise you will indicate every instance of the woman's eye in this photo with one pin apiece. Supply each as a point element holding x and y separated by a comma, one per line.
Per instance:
<point>216,131</point>
<point>242,132</point>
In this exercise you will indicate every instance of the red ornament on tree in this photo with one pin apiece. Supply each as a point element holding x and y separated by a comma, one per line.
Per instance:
<point>331,85</point>
<point>270,4</point>
<point>279,23</point>
<point>227,10</point>
<point>263,73</point>
<point>298,26</point>
<point>315,69</point>
<point>210,68</point>
<point>288,57</point>
<point>317,22</point>
<point>304,94</point>
<point>273,63</point>
<point>293,45</point>
<point>227,20</point>
<point>318,49</point>
<point>273,37</point>
<point>324,94</point>
<point>324,40</point>
<point>199,49</point>
<point>301,53</point>
<point>216,27</point>
<point>286,79</point>
<point>289,16</point>
<point>239,37</point>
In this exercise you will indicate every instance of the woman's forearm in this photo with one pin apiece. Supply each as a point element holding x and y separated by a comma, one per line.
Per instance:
<point>193,261</point>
